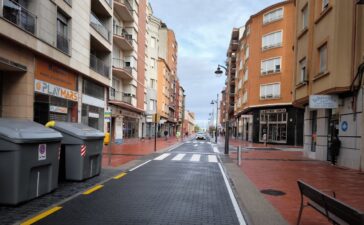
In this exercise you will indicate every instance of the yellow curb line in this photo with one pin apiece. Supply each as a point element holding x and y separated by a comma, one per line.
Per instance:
<point>91,190</point>
<point>119,176</point>
<point>41,216</point>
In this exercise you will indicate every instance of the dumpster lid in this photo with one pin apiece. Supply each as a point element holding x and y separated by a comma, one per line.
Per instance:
<point>26,131</point>
<point>78,130</point>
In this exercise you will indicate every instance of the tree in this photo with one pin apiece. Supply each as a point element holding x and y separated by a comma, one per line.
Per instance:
<point>197,128</point>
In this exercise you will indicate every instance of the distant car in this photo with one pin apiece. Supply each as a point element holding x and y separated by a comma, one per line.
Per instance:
<point>200,136</point>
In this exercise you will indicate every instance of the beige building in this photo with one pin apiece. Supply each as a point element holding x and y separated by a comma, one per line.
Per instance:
<point>55,59</point>
<point>329,57</point>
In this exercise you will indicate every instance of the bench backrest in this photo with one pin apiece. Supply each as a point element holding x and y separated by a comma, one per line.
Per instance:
<point>332,205</point>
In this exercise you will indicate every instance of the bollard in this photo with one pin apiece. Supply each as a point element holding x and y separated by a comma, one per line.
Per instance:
<point>238,155</point>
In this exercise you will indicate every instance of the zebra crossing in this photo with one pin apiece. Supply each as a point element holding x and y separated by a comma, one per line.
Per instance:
<point>187,157</point>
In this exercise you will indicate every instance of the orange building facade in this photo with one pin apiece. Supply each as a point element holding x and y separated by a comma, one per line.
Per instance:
<point>263,109</point>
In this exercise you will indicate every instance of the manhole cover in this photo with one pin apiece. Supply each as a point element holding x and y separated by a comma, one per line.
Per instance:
<point>272,192</point>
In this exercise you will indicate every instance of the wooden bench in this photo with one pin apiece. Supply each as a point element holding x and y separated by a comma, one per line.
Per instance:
<point>336,211</point>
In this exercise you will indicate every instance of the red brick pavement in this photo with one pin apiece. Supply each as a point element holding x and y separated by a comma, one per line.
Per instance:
<point>133,149</point>
<point>280,170</point>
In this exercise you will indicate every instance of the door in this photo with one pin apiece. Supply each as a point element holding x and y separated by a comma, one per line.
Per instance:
<point>313,130</point>
<point>333,129</point>
<point>41,112</point>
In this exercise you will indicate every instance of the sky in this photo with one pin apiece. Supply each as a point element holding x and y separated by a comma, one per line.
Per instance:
<point>203,30</point>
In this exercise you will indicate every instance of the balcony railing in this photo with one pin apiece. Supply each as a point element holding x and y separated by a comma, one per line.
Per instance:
<point>120,31</point>
<point>119,63</point>
<point>99,27</point>
<point>62,43</point>
<point>126,3</point>
<point>119,96</point>
<point>19,15</point>
<point>108,2</point>
<point>99,66</point>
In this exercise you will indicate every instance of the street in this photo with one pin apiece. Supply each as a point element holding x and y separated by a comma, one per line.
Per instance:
<point>184,186</point>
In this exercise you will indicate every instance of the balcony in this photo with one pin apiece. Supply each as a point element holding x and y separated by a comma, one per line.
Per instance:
<point>99,27</point>
<point>99,66</point>
<point>122,69</point>
<point>63,43</point>
<point>119,96</point>
<point>234,45</point>
<point>122,38</point>
<point>124,10</point>
<point>20,16</point>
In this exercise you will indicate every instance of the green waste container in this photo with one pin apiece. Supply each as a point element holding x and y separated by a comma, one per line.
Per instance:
<point>29,159</point>
<point>81,151</point>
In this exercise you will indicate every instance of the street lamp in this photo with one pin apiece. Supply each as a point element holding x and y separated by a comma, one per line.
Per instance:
<point>217,113</point>
<point>218,73</point>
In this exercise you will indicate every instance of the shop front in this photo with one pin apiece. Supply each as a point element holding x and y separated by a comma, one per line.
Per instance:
<point>55,93</point>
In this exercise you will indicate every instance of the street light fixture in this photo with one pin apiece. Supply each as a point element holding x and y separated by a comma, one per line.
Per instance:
<point>218,73</point>
<point>217,113</point>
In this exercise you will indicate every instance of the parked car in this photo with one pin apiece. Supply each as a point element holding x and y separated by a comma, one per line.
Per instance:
<point>200,136</point>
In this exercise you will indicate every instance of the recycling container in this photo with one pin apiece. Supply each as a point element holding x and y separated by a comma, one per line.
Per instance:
<point>28,160</point>
<point>81,151</point>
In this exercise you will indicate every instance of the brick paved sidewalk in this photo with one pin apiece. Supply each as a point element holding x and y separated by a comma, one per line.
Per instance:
<point>133,149</point>
<point>280,170</point>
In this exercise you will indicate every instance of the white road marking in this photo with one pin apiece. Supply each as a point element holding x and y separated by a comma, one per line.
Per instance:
<point>212,158</point>
<point>140,165</point>
<point>195,145</point>
<point>188,142</point>
<point>216,150</point>
<point>161,157</point>
<point>195,158</point>
<point>178,157</point>
<point>232,197</point>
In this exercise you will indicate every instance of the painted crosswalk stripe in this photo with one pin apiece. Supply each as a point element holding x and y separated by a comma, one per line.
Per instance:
<point>216,150</point>
<point>195,158</point>
<point>178,157</point>
<point>212,158</point>
<point>195,145</point>
<point>163,156</point>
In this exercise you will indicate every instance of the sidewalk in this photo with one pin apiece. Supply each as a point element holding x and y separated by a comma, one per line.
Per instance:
<point>280,170</point>
<point>133,149</point>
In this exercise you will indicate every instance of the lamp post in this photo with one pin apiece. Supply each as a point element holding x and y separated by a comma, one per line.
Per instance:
<point>217,113</point>
<point>218,73</point>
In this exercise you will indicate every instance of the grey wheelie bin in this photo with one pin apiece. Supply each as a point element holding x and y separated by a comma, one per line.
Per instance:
<point>28,160</point>
<point>81,151</point>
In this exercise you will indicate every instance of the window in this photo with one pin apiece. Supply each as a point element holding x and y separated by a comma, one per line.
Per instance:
<point>62,32</point>
<point>304,17</point>
<point>273,16</point>
<point>246,75</point>
<point>272,40</point>
<point>241,65</point>
<point>271,66</point>
<point>303,71</point>
<point>325,4</point>
<point>152,104</point>
<point>245,97</point>
<point>270,91</point>
<point>246,52</point>
<point>153,83</point>
<point>153,42</point>
<point>152,63</point>
<point>92,89</point>
<point>323,58</point>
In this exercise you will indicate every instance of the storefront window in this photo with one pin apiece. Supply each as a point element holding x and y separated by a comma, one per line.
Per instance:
<point>48,108</point>
<point>93,116</point>
<point>274,125</point>
<point>130,127</point>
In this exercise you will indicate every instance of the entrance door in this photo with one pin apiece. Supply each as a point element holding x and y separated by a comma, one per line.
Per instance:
<point>333,129</point>
<point>273,133</point>
<point>314,130</point>
<point>1,94</point>
<point>41,112</point>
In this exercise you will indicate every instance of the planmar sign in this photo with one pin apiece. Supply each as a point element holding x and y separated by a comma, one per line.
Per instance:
<point>54,90</point>
<point>323,102</point>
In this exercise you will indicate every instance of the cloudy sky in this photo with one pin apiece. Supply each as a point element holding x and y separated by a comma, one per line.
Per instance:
<point>203,29</point>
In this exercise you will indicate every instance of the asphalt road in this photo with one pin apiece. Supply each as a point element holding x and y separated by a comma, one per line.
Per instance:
<point>184,186</point>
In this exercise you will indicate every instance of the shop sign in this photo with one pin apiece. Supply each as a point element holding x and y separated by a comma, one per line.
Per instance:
<point>58,109</point>
<point>323,102</point>
<point>54,90</point>
<point>273,111</point>
<point>93,115</point>
<point>55,74</point>
<point>107,116</point>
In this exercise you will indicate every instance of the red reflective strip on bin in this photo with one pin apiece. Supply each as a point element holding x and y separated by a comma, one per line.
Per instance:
<point>83,150</point>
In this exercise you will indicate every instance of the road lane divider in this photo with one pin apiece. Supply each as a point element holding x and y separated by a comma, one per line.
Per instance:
<point>232,198</point>
<point>139,165</point>
<point>91,190</point>
<point>119,176</point>
<point>41,215</point>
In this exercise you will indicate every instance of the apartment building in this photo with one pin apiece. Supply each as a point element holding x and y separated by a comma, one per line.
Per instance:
<point>168,90</point>
<point>189,123</point>
<point>263,96</point>
<point>55,59</point>
<point>329,61</point>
